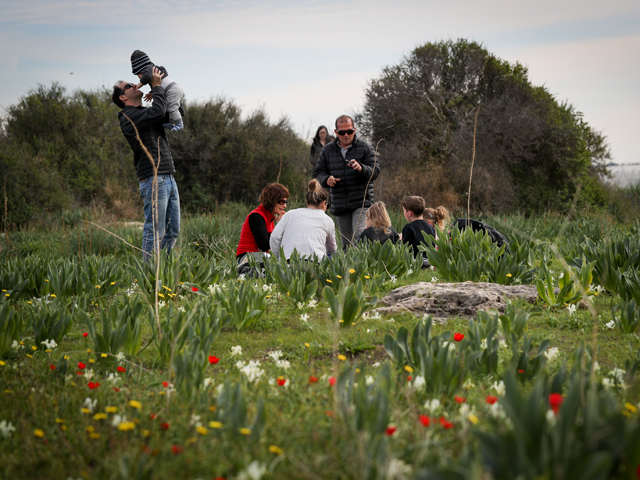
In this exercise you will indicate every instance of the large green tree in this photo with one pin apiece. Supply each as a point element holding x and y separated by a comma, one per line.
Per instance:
<point>532,152</point>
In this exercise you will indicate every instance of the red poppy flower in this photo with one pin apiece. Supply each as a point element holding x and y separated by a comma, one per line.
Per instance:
<point>491,399</point>
<point>313,379</point>
<point>176,449</point>
<point>164,426</point>
<point>390,430</point>
<point>121,369</point>
<point>332,381</point>
<point>555,401</point>
<point>458,336</point>
<point>81,365</point>
<point>165,384</point>
<point>153,416</point>
<point>93,385</point>
<point>78,372</point>
<point>409,378</point>
<point>52,367</point>
<point>85,334</point>
<point>424,420</point>
<point>115,389</point>
<point>520,371</point>
<point>446,423</point>
<point>282,381</point>
<point>459,399</point>
<point>194,289</point>
<point>213,359</point>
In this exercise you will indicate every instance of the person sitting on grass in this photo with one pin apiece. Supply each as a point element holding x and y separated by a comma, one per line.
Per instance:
<point>437,217</point>
<point>257,227</point>
<point>379,227</point>
<point>413,208</point>
<point>309,230</point>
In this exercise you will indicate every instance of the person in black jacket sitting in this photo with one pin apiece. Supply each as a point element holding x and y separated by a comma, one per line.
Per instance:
<point>379,227</point>
<point>414,208</point>
<point>348,166</point>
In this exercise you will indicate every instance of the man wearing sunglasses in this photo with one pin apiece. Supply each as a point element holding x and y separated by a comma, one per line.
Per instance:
<point>144,130</point>
<point>348,167</point>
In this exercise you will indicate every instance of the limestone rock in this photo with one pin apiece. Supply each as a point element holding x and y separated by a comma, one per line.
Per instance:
<point>446,300</point>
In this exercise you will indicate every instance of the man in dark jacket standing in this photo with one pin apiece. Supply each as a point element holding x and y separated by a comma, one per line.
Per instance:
<point>161,214</point>
<point>348,166</point>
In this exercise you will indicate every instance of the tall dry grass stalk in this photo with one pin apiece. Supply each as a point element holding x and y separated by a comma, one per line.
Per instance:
<point>473,158</point>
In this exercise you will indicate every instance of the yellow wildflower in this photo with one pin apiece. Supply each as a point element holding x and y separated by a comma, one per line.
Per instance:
<point>167,288</point>
<point>367,277</point>
<point>342,357</point>
<point>100,416</point>
<point>632,408</point>
<point>2,363</point>
<point>329,281</point>
<point>135,404</point>
<point>201,430</point>
<point>89,429</point>
<point>111,409</point>
<point>146,433</point>
<point>113,283</point>
<point>306,344</point>
<point>245,431</point>
<point>276,450</point>
<point>472,418</point>
<point>213,408</point>
<point>94,435</point>
<point>160,295</point>
<point>338,276</point>
<point>53,295</point>
<point>104,355</point>
<point>126,426</point>
<point>38,433</point>
<point>509,275</point>
<point>98,286</point>
<point>408,368</point>
<point>34,347</point>
<point>215,424</point>
<point>59,420</point>
<point>85,410</point>
<point>353,270</point>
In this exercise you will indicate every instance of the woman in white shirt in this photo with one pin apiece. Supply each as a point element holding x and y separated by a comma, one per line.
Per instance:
<point>309,230</point>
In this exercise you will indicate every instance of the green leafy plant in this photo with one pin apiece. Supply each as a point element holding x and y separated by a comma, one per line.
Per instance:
<point>573,287</point>
<point>232,416</point>
<point>627,316</point>
<point>349,304</point>
<point>121,327</point>
<point>10,327</point>
<point>50,322</point>
<point>244,301</point>
<point>294,278</point>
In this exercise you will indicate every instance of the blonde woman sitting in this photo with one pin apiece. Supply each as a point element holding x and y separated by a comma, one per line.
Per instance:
<point>309,230</point>
<point>379,227</point>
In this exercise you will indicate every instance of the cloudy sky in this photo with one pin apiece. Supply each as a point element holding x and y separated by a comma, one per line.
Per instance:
<point>311,60</point>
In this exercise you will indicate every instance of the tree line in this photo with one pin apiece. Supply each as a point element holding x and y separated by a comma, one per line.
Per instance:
<point>60,150</point>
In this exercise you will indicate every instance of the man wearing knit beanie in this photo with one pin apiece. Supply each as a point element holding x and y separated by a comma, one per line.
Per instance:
<point>141,65</point>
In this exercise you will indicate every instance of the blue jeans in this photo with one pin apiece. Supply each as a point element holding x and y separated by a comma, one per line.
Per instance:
<point>162,219</point>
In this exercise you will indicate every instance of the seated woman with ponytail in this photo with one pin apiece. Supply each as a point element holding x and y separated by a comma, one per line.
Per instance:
<point>309,230</point>
<point>257,228</point>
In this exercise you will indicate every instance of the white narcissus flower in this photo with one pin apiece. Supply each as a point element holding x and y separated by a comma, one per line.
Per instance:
<point>120,357</point>
<point>610,324</point>
<point>254,471</point>
<point>368,380</point>
<point>89,404</point>
<point>419,382</point>
<point>551,354</point>
<point>499,387</point>
<point>313,303</point>
<point>571,309</point>
<point>304,317</point>
<point>6,428</point>
<point>434,280</point>
<point>236,351</point>
<point>551,417</point>
<point>432,405</point>
<point>276,354</point>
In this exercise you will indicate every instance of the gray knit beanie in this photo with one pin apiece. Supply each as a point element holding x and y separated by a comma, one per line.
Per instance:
<point>139,60</point>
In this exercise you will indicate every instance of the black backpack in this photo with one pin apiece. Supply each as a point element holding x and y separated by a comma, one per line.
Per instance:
<point>476,226</point>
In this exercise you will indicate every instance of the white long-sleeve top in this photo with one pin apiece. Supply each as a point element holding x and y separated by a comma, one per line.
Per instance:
<point>307,230</point>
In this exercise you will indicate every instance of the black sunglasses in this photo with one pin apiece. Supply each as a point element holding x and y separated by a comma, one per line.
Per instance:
<point>345,132</point>
<point>282,202</point>
<point>126,87</point>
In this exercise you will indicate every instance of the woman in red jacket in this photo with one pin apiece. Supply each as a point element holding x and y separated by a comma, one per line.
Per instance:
<point>257,227</point>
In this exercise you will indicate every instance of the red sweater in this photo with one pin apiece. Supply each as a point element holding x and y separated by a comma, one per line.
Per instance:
<point>247,240</point>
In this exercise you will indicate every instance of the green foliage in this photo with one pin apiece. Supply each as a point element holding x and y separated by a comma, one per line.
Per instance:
<point>232,413</point>
<point>533,151</point>
<point>588,437</point>
<point>244,301</point>
<point>50,321</point>
<point>121,327</point>
<point>294,278</point>
<point>573,287</point>
<point>627,316</point>
<point>469,255</point>
<point>10,327</point>
<point>349,304</point>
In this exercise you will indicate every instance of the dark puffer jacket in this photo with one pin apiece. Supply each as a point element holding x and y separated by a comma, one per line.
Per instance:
<point>149,122</point>
<point>349,192</point>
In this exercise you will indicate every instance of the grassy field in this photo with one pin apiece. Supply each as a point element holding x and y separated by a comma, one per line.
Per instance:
<point>188,384</point>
